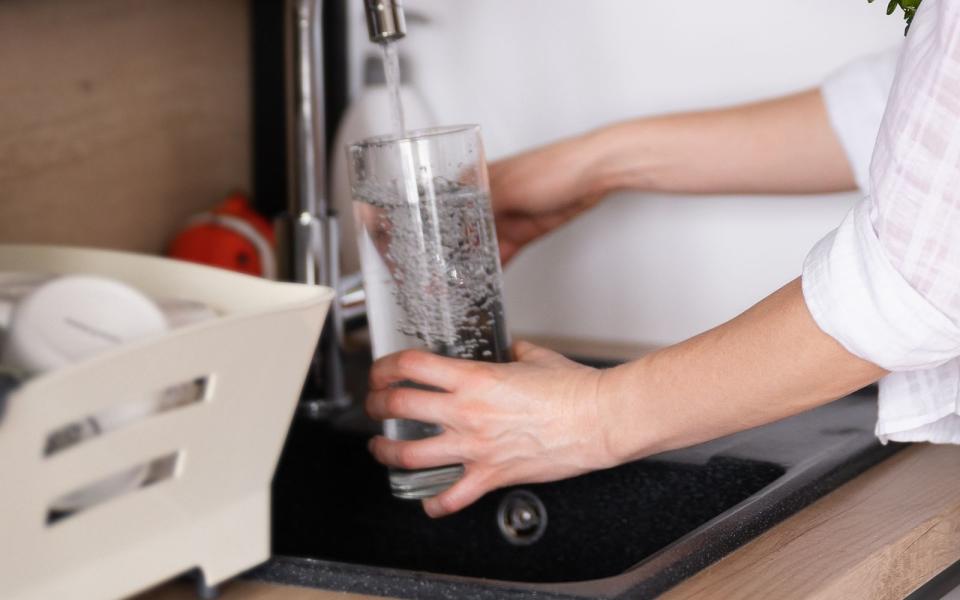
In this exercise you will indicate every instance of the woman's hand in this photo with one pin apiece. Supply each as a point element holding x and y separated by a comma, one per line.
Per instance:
<point>786,145</point>
<point>537,191</point>
<point>538,419</point>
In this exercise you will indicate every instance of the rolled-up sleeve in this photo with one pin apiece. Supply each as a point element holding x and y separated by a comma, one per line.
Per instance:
<point>857,296</point>
<point>886,283</point>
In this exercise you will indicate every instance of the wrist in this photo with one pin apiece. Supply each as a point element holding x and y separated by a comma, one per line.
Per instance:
<point>627,425</point>
<point>597,174</point>
<point>621,157</point>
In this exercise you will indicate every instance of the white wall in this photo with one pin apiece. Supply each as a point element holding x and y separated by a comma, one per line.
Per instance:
<point>642,268</point>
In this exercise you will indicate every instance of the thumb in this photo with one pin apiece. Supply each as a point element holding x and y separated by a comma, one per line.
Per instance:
<point>524,351</point>
<point>471,487</point>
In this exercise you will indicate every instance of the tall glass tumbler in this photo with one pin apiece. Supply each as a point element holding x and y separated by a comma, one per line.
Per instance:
<point>430,261</point>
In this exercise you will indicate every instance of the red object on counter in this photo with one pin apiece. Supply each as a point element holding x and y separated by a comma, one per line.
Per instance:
<point>231,236</point>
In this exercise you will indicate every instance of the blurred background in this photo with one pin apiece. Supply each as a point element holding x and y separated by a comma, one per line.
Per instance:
<point>124,117</point>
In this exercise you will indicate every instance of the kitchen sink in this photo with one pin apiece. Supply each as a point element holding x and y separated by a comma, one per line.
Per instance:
<point>631,531</point>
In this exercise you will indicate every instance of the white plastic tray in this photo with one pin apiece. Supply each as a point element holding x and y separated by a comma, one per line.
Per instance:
<point>211,510</point>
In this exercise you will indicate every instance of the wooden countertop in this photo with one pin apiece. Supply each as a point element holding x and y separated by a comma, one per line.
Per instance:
<point>878,537</point>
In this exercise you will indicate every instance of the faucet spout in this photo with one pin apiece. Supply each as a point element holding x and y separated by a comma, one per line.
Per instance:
<point>385,20</point>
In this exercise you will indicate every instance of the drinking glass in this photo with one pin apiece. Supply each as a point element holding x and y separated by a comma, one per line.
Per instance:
<point>431,268</point>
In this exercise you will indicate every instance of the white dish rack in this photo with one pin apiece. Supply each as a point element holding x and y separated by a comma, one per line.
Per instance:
<point>207,502</point>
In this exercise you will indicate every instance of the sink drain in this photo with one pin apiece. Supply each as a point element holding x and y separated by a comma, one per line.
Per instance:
<point>522,518</point>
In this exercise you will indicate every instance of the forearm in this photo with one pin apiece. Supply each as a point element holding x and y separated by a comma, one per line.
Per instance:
<point>786,145</point>
<point>769,363</point>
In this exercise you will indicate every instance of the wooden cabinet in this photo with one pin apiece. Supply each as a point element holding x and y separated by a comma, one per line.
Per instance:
<point>120,117</point>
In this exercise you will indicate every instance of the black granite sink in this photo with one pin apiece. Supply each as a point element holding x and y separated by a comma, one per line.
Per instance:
<point>632,531</point>
<point>597,526</point>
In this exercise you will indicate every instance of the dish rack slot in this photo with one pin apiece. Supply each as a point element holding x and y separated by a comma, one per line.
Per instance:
<point>158,470</point>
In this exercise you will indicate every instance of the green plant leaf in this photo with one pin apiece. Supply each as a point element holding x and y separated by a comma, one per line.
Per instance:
<point>909,8</point>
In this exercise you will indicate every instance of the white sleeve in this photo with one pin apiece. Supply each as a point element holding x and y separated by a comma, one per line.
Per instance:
<point>886,283</point>
<point>856,96</point>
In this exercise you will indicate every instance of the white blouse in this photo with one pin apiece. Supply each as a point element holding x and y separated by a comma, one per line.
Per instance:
<point>886,282</point>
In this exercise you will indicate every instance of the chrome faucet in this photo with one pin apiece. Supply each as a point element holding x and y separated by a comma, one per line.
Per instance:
<point>385,20</point>
<point>310,234</point>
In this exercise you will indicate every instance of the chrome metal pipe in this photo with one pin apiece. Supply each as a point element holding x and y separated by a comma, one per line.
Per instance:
<point>308,204</point>
<point>310,235</point>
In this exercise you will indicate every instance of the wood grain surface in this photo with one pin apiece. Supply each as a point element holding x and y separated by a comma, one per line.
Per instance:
<point>583,348</point>
<point>120,117</point>
<point>878,537</point>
